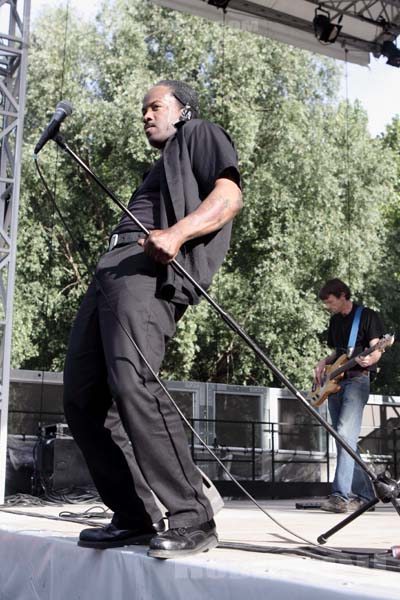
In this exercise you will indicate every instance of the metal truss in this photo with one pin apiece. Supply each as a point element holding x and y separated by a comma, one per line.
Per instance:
<point>384,14</point>
<point>366,24</point>
<point>14,31</point>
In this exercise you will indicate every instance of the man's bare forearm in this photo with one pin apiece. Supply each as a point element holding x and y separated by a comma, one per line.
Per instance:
<point>217,209</point>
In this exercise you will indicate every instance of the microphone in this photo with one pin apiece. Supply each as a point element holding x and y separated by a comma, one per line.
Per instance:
<point>63,110</point>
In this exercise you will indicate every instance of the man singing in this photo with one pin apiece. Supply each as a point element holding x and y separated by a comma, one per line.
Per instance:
<point>187,201</point>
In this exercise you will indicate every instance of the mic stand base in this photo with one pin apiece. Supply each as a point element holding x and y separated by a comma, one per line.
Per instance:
<point>386,489</point>
<point>322,539</point>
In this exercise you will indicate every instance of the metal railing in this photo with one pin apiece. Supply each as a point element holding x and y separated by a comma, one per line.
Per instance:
<point>384,445</point>
<point>262,447</point>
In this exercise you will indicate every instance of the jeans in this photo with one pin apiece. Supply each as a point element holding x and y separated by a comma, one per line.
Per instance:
<point>346,409</point>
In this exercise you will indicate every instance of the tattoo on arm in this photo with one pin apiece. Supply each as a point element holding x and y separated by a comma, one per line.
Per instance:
<point>222,200</point>
<point>226,203</point>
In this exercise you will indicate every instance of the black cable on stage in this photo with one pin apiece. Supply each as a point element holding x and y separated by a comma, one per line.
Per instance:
<point>22,500</point>
<point>60,497</point>
<point>77,496</point>
<point>95,512</point>
<point>370,560</point>
<point>50,517</point>
<point>71,496</point>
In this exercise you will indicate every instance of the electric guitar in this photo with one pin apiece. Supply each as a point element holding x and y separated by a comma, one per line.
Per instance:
<point>333,373</point>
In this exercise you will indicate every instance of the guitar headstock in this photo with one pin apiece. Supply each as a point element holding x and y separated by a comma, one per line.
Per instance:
<point>385,341</point>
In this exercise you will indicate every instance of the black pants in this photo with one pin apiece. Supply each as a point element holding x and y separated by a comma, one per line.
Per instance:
<point>102,365</point>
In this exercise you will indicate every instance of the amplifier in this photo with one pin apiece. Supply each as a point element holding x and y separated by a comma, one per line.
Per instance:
<point>60,464</point>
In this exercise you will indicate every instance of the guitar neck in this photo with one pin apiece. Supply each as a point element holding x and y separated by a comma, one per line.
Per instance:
<point>351,363</point>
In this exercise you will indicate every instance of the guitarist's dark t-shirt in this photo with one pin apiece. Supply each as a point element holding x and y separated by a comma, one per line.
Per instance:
<point>371,327</point>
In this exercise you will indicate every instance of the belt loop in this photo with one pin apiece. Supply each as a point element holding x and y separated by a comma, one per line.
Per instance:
<point>113,241</point>
<point>122,239</point>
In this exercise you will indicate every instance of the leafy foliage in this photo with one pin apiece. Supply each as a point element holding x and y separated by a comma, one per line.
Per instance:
<point>387,280</point>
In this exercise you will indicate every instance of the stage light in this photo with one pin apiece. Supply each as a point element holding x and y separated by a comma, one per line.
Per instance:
<point>219,3</point>
<point>392,54</point>
<point>325,31</point>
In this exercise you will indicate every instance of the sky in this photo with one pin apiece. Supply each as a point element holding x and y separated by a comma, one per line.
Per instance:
<point>377,87</point>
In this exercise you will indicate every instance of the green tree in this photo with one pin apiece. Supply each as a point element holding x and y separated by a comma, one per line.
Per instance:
<point>387,280</point>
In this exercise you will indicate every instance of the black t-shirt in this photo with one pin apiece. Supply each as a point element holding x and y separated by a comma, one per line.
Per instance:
<point>211,153</point>
<point>145,202</point>
<point>193,159</point>
<point>371,327</point>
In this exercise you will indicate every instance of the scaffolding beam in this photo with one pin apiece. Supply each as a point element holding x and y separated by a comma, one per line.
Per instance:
<point>14,35</point>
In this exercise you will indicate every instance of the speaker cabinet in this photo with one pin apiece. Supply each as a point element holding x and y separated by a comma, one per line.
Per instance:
<point>60,464</point>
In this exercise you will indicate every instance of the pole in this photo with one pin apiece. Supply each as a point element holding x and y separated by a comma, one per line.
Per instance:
<point>224,315</point>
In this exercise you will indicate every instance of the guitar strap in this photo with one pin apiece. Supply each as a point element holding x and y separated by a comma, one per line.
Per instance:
<point>354,331</point>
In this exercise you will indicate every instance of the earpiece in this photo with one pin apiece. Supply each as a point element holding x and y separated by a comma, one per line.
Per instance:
<point>186,113</point>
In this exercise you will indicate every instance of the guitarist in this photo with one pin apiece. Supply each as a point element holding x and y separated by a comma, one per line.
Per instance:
<point>351,486</point>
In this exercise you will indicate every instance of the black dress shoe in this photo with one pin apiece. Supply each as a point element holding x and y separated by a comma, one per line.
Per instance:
<point>184,541</point>
<point>112,537</point>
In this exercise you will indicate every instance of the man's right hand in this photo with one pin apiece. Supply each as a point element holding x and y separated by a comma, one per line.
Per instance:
<point>162,245</point>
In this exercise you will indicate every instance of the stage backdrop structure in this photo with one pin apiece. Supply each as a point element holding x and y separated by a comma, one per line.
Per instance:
<point>344,30</point>
<point>14,31</point>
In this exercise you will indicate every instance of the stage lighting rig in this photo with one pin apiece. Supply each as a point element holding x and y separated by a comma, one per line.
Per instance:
<point>324,30</point>
<point>219,3</point>
<point>392,53</point>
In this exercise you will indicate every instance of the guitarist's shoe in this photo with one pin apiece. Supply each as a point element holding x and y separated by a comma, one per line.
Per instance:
<point>335,504</point>
<point>356,503</point>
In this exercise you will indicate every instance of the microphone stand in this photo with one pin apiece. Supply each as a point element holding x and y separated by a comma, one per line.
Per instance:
<point>386,489</point>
